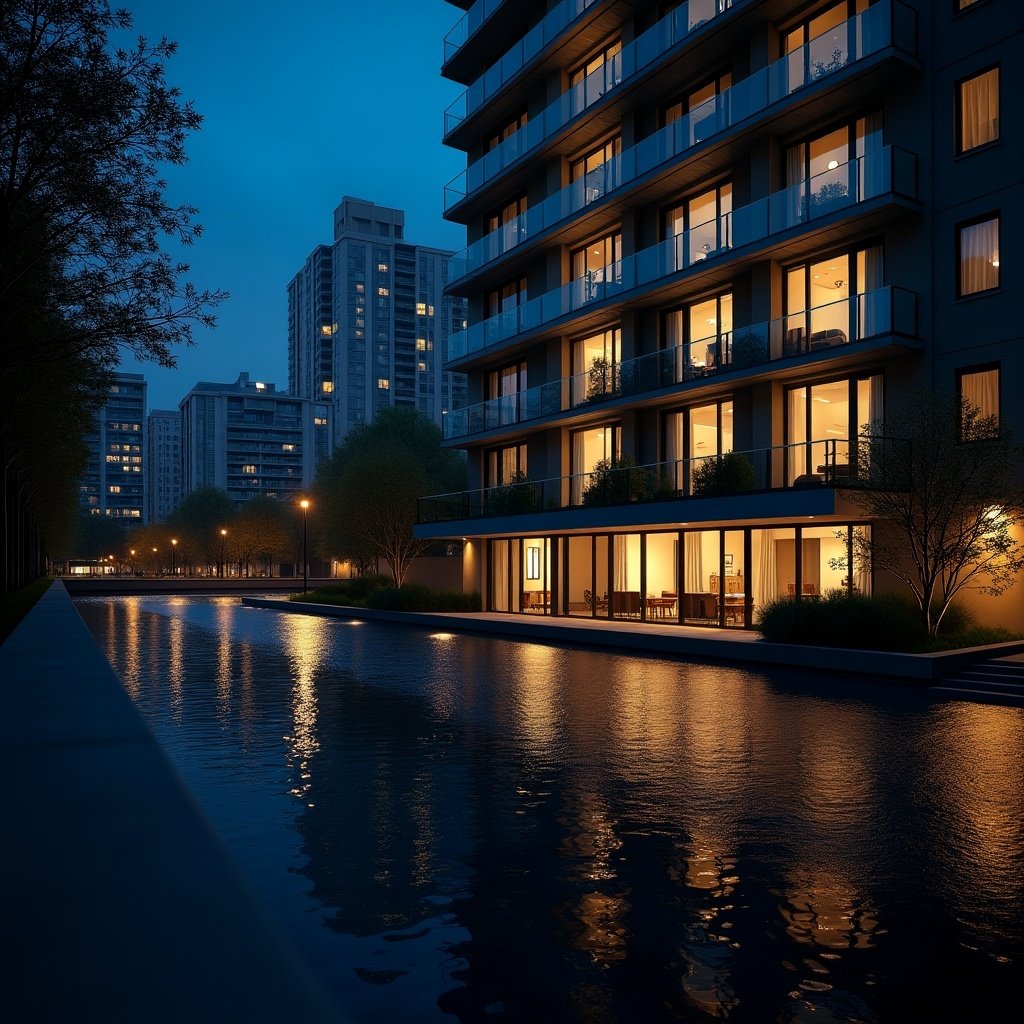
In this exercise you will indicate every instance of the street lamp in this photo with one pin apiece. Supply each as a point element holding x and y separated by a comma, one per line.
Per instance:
<point>131,551</point>
<point>304,505</point>
<point>174,544</point>
<point>156,564</point>
<point>223,535</point>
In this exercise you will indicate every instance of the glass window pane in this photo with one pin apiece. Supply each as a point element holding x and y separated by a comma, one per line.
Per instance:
<point>979,110</point>
<point>979,257</point>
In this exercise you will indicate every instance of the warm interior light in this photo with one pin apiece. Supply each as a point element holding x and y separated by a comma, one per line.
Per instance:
<point>833,164</point>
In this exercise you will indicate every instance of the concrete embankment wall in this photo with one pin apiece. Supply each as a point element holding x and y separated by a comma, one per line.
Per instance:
<point>119,902</point>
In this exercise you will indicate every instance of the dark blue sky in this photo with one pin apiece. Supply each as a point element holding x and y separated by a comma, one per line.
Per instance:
<point>303,103</point>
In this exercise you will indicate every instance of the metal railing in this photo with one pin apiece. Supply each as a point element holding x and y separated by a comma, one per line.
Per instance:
<point>890,170</point>
<point>546,31</point>
<point>888,23</point>
<point>778,467</point>
<point>871,314</point>
<point>467,25</point>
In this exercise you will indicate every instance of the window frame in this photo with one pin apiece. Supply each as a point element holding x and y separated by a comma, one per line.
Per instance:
<point>958,103</point>
<point>958,254</point>
<point>964,371</point>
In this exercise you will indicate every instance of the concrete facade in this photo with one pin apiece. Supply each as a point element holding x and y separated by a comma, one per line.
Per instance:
<point>114,483</point>
<point>163,464</point>
<point>710,227</point>
<point>368,321</point>
<point>247,439</point>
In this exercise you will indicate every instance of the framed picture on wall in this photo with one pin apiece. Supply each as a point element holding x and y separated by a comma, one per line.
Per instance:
<point>728,562</point>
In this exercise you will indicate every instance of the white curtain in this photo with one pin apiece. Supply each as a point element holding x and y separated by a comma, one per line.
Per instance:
<point>981,389</point>
<point>673,448</point>
<point>765,579</point>
<point>621,563</point>
<point>979,257</point>
<point>578,468</point>
<point>862,572</point>
<point>979,110</point>
<point>694,564</point>
<point>499,574</point>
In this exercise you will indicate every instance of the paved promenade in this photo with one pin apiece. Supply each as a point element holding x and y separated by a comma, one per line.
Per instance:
<point>119,903</point>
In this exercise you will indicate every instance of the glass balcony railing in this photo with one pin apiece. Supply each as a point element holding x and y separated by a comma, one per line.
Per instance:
<point>733,473</point>
<point>634,57</point>
<point>467,25</point>
<point>873,314</point>
<point>887,24</point>
<point>864,35</point>
<point>549,28</point>
<point>889,171</point>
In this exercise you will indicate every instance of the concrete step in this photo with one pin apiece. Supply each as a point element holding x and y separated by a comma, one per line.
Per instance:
<point>954,692</point>
<point>984,676</point>
<point>966,682</point>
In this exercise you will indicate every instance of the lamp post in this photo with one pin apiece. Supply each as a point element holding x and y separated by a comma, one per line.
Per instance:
<point>223,535</point>
<point>174,544</point>
<point>156,564</point>
<point>304,505</point>
<point>132,553</point>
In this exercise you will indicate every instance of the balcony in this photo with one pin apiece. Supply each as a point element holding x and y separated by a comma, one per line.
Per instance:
<point>780,467</point>
<point>640,55</point>
<point>815,332</point>
<point>542,35</point>
<point>770,90</point>
<point>467,26</point>
<point>890,172</point>
<point>887,24</point>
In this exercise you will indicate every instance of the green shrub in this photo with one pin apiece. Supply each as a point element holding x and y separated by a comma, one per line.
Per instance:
<point>414,597</point>
<point>880,623</point>
<point>883,622</point>
<point>723,474</point>
<point>347,592</point>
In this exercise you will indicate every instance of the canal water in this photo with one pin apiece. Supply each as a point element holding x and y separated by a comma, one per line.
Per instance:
<point>459,828</point>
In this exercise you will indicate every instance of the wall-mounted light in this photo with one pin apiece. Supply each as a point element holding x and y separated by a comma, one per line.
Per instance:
<point>532,562</point>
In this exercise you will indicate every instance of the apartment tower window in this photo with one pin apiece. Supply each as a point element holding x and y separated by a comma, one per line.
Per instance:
<point>978,256</point>
<point>977,118</point>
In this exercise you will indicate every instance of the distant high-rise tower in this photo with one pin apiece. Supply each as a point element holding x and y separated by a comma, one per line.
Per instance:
<point>373,332</point>
<point>163,464</point>
<point>114,482</point>
<point>248,439</point>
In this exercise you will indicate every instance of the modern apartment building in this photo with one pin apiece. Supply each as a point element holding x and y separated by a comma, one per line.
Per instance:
<point>247,439</point>
<point>114,483</point>
<point>369,321</point>
<point>713,228</point>
<point>163,464</point>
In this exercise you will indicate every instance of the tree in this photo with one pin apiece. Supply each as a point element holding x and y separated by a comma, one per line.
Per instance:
<point>84,130</point>
<point>948,479</point>
<point>365,495</point>
<point>198,521</point>
<point>264,530</point>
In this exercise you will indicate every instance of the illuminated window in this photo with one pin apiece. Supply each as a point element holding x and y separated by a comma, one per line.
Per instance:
<point>113,458</point>
<point>430,310</point>
<point>114,488</point>
<point>326,329</point>
<point>979,388</point>
<point>320,421</point>
<point>422,366</point>
<point>249,469</point>
<point>977,101</point>
<point>383,383</point>
<point>287,447</point>
<point>383,292</point>
<point>361,288</point>
<point>421,344</point>
<point>382,268</point>
<point>327,386</point>
<point>421,309</point>
<point>979,256</point>
<point>261,387</point>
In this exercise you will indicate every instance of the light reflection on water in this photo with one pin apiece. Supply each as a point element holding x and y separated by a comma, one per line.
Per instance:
<point>454,827</point>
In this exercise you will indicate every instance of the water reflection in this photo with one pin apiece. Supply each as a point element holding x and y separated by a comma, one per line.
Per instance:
<point>493,831</point>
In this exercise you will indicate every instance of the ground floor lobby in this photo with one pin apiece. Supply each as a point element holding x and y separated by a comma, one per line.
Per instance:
<point>712,577</point>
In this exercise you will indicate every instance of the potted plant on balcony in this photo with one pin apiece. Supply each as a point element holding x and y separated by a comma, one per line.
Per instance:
<point>616,481</point>
<point>731,473</point>
<point>603,379</point>
<point>748,349</point>
<point>512,498</point>
<point>830,195</point>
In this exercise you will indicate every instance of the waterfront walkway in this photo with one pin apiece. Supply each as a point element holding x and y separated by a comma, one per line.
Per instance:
<point>119,902</point>
<point>666,639</point>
